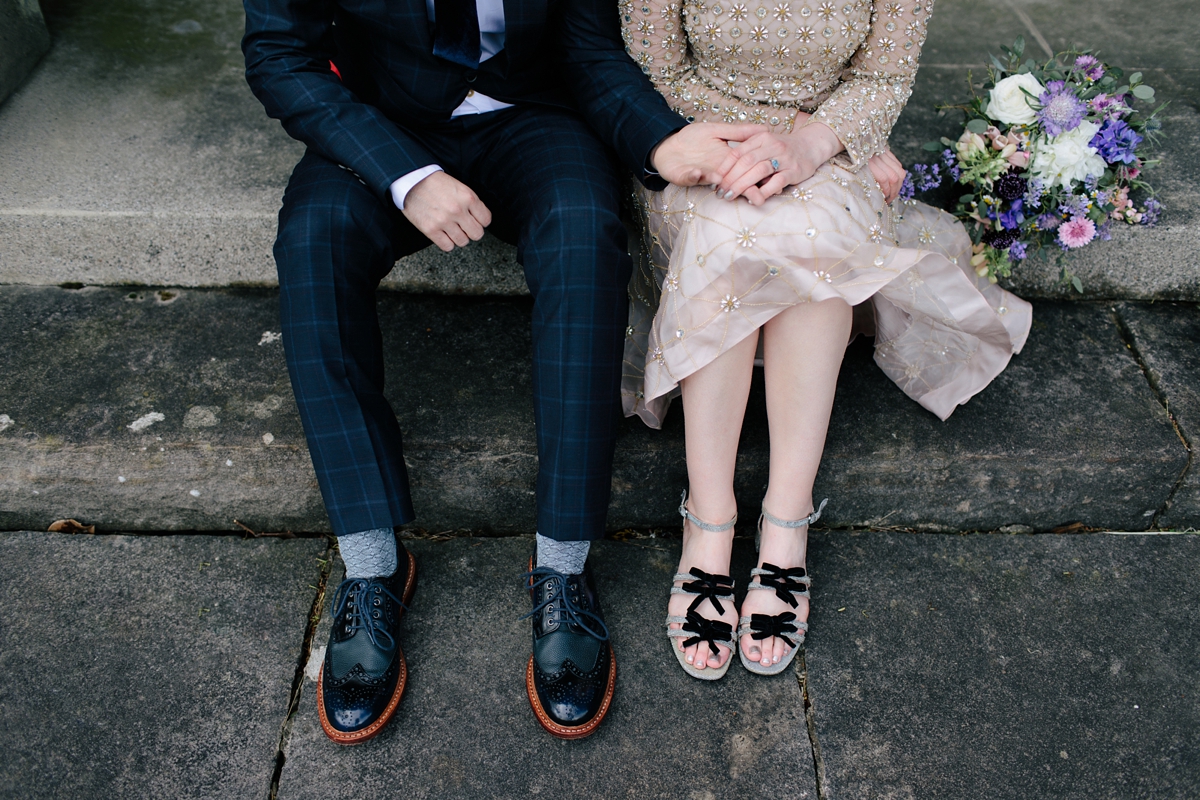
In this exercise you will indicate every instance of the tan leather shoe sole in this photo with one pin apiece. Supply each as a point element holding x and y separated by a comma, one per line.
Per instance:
<point>571,731</point>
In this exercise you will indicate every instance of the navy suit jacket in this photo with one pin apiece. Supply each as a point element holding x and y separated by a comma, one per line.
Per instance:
<point>559,53</point>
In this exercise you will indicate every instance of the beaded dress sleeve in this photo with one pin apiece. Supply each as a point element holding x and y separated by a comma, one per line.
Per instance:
<point>878,80</point>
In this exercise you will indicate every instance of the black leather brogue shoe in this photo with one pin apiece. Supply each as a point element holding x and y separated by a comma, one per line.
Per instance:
<point>364,672</point>
<point>571,674</point>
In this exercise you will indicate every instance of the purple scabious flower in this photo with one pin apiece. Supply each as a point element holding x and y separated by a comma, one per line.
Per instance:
<point>907,190</point>
<point>1061,109</point>
<point>1116,142</point>
<point>1016,252</point>
<point>1000,240</point>
<point>1012,219</point>
<point>1152,213</point>
<point>1090,66</point>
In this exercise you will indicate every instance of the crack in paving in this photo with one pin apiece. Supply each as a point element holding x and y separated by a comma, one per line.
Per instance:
<point>314,618</point>
<point>1130,340</point>
<point>810,720</point>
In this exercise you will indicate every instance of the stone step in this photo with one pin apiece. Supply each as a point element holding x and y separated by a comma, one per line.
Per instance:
<point>171,410</point>
<point>137,155</point>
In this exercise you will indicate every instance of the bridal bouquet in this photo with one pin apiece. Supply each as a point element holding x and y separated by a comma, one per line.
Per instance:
<point>1052,156</point>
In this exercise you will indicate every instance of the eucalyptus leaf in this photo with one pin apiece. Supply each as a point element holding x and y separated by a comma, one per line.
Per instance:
<point>996,63</point>
<point>1143,92</point>
<point>1019,46</point>
<point>932,146</point>
<point>1078,284</point>
<point>1122,89</point>
<point>977,126</point>
<point>1135,77</point>
<point>966,198</point>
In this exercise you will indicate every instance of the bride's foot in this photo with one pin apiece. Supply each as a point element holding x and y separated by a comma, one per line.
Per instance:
<point>705,562</point>
<point>782,552</point>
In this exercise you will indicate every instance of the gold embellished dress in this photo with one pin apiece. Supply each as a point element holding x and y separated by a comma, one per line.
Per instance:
<point>714,271</point>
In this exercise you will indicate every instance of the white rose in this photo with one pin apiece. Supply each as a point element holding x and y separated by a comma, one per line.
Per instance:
<point>1067,158</point>
<point>1008,104</point>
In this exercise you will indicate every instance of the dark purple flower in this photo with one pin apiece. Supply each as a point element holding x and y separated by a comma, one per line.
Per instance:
<point>1009,186</point>
<point>1000,240</point>
<point>1152,213</point>
<point>1061,110</point>
<point>1116,142</point>
<point>1016,252</point>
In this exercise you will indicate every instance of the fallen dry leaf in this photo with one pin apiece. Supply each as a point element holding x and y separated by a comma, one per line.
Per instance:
<point>70,526</point>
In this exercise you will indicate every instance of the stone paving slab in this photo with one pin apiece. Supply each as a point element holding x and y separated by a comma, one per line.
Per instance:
<point>1167,338</point>
<point>137,155</point>
<point>464,728</point>
<point>1070,432</point>
<point>1005,666</point>
<point>148,666</point>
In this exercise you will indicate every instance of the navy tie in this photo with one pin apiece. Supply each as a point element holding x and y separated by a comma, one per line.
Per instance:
<point>456,32</point>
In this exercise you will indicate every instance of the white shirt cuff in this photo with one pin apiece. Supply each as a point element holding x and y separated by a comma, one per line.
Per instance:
<point>402,186</point>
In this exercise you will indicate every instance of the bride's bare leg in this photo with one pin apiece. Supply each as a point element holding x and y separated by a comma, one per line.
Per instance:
<point>802,354</point>
<point>714,403</point>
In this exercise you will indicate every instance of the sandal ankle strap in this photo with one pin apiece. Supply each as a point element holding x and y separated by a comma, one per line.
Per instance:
<point>701,524</point>
<point>791,523</point>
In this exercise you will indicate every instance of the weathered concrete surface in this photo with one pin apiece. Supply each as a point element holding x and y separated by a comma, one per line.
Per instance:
<point>465,729</point>
<point>23,41</point>
<point>1006,666</point>
<point>148,666</point>
<point>1167,339</point>
<point>137,155</point>
<point>1070,432</point>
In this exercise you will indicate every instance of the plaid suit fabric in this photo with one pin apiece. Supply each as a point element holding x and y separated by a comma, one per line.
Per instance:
<point>554,190</point>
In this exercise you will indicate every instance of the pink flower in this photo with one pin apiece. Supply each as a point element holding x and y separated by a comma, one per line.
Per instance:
<point>1076,232</point>
<point>1019,159</point>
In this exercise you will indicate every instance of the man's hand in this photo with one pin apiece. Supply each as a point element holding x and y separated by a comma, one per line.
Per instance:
<point>446,211</point>
<point>695,154</point>
<point>889,172</point>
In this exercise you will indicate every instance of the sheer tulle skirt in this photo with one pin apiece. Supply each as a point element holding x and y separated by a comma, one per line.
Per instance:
<point>714,271</point>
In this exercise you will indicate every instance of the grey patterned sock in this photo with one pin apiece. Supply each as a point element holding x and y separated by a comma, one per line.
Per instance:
<point>369,554</point>
<point>566,557</point>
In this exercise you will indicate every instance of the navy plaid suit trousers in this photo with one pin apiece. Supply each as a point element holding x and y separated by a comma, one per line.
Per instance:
<point>554,191</point>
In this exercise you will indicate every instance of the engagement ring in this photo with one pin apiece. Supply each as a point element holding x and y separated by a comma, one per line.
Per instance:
<point>775,164</point>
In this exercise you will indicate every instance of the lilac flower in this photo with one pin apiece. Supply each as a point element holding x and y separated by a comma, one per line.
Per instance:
<point>1033,193</point>
<point>1061,110</point>
<point>1073,206</point>
<point>1016,252</point>
<point>1116,142</point>
<point>907,189</point>
<point>1152,213</point>
<point>1048,222</point>
<point>1012,219</point>
<point>1090,66</point>
<point>1102,198</point>
<point>927,177</point>
<point>1091,182</point>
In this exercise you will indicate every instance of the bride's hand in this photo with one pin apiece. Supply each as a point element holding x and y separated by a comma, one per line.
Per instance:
<point>889,173</point>
<point>767,163</point>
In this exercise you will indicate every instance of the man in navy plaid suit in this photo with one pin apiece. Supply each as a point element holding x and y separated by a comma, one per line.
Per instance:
<point>429,121</point>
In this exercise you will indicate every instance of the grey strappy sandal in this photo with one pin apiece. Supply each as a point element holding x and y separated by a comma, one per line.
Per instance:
<point>788,584</point>
<point>703,586</point>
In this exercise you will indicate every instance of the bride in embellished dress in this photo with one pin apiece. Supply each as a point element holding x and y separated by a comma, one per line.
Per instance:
<point>774,261</point>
